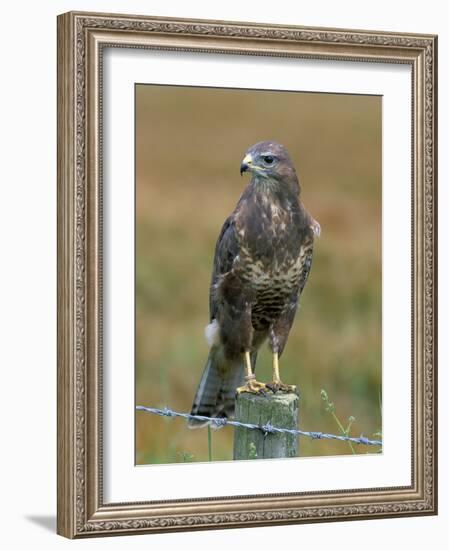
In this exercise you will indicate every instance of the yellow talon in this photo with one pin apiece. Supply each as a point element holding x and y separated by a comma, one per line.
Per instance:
<point>276,384</point>
<point>252,385</point>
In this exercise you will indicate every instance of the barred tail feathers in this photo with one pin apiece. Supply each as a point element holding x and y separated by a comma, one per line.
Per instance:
<point>215,396</point>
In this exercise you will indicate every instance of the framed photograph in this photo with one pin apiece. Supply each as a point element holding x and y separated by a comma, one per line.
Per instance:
<point>246,274</point>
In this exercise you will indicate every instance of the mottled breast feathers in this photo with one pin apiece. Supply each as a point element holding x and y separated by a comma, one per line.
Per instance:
<point>268,243</point>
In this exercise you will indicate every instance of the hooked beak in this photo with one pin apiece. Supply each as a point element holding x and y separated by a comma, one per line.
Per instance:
<point>246,164</point>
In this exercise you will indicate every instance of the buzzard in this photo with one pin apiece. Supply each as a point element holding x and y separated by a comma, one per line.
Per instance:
<point>262,261</point>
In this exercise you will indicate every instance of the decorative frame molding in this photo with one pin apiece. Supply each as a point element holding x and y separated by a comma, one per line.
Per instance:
<point>81,39</point>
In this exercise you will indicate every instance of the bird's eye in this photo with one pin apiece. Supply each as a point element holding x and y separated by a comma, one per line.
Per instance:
<point>268,159</point>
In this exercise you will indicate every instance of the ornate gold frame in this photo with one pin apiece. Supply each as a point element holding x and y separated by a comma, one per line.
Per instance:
<point>81,39</point>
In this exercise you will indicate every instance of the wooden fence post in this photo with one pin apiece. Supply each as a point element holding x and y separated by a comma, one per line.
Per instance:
<point>280,410</point>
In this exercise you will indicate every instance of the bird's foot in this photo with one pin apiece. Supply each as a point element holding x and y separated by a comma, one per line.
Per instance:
<point>253,386</point>
<point>277,385</point>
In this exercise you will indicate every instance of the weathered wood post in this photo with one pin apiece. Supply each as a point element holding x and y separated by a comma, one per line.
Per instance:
<point>278,409</point>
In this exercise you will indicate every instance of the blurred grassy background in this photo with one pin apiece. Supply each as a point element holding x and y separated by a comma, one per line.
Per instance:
<point>189,144</point>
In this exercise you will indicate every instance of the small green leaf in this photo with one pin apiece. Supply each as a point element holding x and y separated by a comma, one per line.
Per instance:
<point>252,453</point>
<point>186,457</point>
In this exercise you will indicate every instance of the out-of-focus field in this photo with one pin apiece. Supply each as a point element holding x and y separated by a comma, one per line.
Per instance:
<point>189,145</point>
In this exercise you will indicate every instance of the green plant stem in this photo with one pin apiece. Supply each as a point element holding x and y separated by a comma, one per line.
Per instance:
<point>209,442</point>
<point>343,431</point>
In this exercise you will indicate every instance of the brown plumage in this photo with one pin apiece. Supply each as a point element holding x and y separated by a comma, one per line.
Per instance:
<point>262,260</point>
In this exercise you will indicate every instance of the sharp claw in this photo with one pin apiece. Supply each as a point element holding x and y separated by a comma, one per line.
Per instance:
<point>253,387</point>
<point>280,386</point>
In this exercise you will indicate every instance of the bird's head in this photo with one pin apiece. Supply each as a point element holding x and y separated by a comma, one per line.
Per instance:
<point>269,161</point>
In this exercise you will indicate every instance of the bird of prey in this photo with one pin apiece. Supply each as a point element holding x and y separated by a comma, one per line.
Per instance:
<point>262,261</point>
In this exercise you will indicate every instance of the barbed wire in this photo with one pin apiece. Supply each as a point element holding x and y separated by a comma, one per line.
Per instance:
<point>265,428</point>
